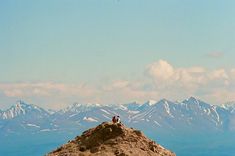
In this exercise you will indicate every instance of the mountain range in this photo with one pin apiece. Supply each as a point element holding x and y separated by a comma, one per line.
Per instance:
<point>183,127</point>
<point>190,114</point>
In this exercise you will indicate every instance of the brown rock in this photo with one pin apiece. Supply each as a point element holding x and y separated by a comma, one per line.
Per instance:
<point>94,149</point>
<point>111,139</point>
<point>138,132</point>
<point>82,148</point>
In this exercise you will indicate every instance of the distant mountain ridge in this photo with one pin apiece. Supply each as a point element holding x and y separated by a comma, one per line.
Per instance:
<point>189,115</point>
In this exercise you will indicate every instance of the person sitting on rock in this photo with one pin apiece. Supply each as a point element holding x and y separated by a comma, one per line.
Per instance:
<point>116,119</point>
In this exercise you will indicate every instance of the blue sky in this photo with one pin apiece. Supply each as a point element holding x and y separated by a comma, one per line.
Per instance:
<point>97,43</point>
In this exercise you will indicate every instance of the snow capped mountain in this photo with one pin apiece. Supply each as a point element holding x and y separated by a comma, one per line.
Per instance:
<point>151,102</point>
<point>191,100</point>
<point>229,106</point>
<point>146,105</point>
<point>189,115</point>
<point>21,109</point>
<point>188,122</point>
<point>24,118</point>
<point>51,111</point>
<point>159,115</point>
<point>206,112</point>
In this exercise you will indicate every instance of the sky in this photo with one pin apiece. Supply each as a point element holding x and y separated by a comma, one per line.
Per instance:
<point>57,52</point>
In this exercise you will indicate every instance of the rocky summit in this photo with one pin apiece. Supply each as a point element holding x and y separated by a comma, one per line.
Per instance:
<point>109,139</point>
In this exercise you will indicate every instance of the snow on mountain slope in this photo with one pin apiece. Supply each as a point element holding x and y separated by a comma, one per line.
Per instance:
<point>21,109</point>
<point>229,106</point>
<point>158,115</point>
<point>24,118</point>
<point>190,114</point>
<point>89,119</point>
<point>146,105</point>
<point>33,125</point>
<point>205,111</point>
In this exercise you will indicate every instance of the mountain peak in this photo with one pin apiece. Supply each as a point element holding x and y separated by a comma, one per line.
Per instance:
<point>191,100</point>
<point>20,103</point>
<point>151,102</point>
<point>147,105</point>
<point>111,139</point>
<point>20,108</point>
<point>229,106</point>
<point>163,101</point>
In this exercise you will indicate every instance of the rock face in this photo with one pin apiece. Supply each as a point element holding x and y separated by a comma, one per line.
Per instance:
<point>110,139</point>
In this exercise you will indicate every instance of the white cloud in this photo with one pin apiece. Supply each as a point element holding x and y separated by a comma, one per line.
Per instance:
<point>218,74</point>
<point>13,93</point>
<point>45,89</point>
<point>161,70</point>
<point>51,94</point>
<point>164,75</point>
<point>161,80</point>
<point>232,74</point>
<point>118,84</point>
<point>192,81</point>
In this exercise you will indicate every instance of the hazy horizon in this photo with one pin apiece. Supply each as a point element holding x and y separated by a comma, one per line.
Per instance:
<point>67,105</point>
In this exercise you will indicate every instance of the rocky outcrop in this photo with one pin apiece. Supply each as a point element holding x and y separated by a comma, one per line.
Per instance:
<point>110,139</point>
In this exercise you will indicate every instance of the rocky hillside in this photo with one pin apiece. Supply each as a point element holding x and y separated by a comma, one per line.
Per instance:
<point>108,139</point>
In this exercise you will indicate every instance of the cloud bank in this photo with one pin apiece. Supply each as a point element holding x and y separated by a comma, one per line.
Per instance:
<point>160,80</point>
<point>216,85</point>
